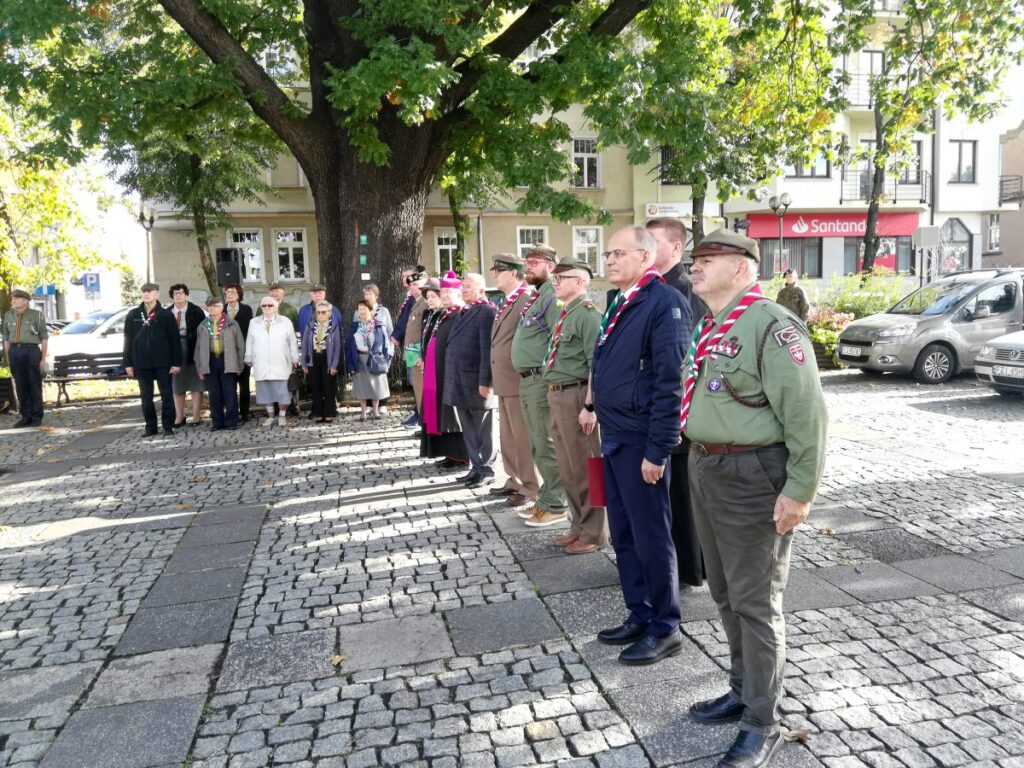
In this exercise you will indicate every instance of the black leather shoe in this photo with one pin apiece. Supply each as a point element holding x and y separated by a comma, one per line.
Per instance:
<point>751,750</point>
<point>469,477</point>
<point>481,481</point>
<point>724,709</point>
<point>150,433</point>
<point>625,634</point>
<point>20,423</point>
<point>648,650</point>
<point>168,433</point>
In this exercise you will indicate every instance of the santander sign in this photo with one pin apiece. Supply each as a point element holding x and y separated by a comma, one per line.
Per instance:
<point>830,224</point>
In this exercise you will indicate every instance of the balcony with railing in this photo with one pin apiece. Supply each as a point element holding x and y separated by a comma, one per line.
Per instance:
<point>909,186</point>
<point>858,91</point>
<point>1011,189</point>
<point>889,6</point>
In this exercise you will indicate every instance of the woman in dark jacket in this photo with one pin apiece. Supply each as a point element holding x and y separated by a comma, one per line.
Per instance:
<point>241,314</point>
<point>442,433</point>
<point>320,357</point>
<point>189,317</point>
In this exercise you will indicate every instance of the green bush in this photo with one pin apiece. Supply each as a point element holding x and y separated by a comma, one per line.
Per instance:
<point>863,295</point>
<point>824,326</point>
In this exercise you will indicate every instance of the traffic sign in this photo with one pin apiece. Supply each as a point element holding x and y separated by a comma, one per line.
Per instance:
<point>91,281</point>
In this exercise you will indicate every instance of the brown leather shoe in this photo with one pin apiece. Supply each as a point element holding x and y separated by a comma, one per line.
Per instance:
<point>565,541</point>
<point>517,500</point>
<point>580,547</point>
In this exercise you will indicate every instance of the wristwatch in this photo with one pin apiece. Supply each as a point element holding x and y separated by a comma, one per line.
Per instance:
<point>588,407</point>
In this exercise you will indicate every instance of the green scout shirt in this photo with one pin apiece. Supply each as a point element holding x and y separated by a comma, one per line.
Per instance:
<point>33,327</point>
<point>289,311</point>
<point>795,414</point>
<point>530,344</point>
<point>576,341</point>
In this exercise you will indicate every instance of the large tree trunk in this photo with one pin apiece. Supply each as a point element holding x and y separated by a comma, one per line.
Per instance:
<point>699,199</point>
<point>205,259</point>
<point>462,231</point>
<point>878,163</point>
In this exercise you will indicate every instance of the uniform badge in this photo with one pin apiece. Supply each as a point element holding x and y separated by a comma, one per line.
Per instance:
<point>714,384</point>
<point>796,351</point>
<point>787,335</point>
<point>725,348</point>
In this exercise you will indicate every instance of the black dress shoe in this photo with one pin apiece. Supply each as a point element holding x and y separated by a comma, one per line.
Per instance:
<point>151,433</point>
<point>469,477</point>
<point>624,634</point>
<point>481,481</point>
<point>649,649</point>
<point>751,750</point>
<point>179,424</point>
<point>216,428</point>
<point>20,423</point>
<point>724,709</point>
<point>168,433</point>
<point>503,491</point>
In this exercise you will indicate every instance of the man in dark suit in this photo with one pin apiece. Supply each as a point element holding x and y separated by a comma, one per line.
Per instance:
<point>670,236</point>
<point>467,379</point>
<point>152,353</point>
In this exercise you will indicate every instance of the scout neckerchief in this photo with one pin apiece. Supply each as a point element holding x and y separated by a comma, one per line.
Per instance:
<point>509,300</point>
<point>607,326</point>
<point>530,303</point>
<point>556,337</point>
<point>409,299</point>
<point>702,341</point>
<point>320,331</point>
<point>216,344</point>
<point>482,300</point>
<point>147,318</point>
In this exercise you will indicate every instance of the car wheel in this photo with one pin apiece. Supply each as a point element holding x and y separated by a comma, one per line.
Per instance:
<point>935,365</point>
<point>871,372</point>
<point>1007,392</point>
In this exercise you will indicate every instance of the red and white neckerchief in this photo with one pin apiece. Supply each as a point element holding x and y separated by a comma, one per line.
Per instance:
<point>606,330</point>
<point>511,299</point>
<point>147,318</point>
<point>702,341</point>
<point>478,302</point>
<point>448,313</point>
<point>556,336</point>
<point>530,303</point>
<point>215,332</point>
<point>409,299</point>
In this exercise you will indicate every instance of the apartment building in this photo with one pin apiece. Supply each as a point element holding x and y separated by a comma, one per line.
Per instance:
<point>1005,238</point>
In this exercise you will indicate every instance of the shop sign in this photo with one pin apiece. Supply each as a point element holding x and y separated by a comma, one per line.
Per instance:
<point>804,224</point>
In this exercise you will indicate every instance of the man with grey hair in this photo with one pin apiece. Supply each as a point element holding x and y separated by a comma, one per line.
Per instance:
<point>635,390</point>
<point>755,415</point>
<point>467,379</point>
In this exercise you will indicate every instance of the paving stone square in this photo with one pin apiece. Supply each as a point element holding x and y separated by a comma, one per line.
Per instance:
<point>588,611</point>
<point>267,661</point>
<point>177,626</point>
<point>394,642</point>
<point>604,665</point>
<point>196,586</point>
<point>44,692</point>
<point>568,573</point>
<point>893,545</point>
<point>953,573</point>
<point>1009,560</point>
<point>210,557</point>
<point>876,581</point>
<point>499,626</point>
<point>170,674</point>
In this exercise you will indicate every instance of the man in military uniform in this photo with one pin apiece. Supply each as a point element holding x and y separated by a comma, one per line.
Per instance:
<point>537,319</point>
<point>755,415</point>
<point>567,374</point>
<point>25,335</point>
<point>792,296</point>
<point>521,486</point>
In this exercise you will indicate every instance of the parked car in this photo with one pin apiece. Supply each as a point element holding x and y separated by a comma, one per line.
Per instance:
<point>939,329</point>
<point>56,326</point>
<point>1000,363</point>
<point>97,333</point>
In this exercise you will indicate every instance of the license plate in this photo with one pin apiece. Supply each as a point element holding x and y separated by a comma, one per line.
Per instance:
<point>1009,371</point>
<point>846,349</point>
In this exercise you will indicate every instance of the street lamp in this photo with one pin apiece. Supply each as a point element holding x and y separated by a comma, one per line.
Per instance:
<point>779,205</point>
<point>147,224</point>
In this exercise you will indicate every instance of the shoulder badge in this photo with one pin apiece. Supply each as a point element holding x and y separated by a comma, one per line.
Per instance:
<point>796,351</point>
<point>787,335</point>
<point>588,304</point>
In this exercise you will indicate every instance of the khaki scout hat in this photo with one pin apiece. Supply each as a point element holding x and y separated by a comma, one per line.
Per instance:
<point>566,265</point>
<point>317,287</point>
<point>431,284</point>
<point>17,293</point>
<point>508,261</point>
<point>725,241</point>
<point>544,250</point>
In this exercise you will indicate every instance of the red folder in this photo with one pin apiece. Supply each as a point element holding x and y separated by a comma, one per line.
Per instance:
<point>595,481</point>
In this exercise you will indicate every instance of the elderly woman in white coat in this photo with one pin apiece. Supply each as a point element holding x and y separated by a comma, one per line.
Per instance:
<point>273,352</point>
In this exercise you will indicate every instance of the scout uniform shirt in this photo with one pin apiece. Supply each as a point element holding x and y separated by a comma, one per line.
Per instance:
<point>574,346</point>
<point>783,403</point>
<point>31,329</point>
<point>530,344</point>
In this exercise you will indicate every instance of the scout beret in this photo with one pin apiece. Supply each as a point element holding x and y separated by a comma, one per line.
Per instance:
<point>544,250</point>
<point>150,287</point>
<point>727,241</point>
<point>17,293</point>
<point>568,264</point>
<point>508,261</point>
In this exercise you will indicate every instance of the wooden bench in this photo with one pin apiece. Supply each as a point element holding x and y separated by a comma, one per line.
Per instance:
<point>68,369</point>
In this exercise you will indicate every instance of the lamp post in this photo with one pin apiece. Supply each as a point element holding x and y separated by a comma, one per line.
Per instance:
<point>779,205</point>
<point>147,224</point>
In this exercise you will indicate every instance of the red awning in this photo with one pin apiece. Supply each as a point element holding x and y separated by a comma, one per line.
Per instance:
<point>804,224</point>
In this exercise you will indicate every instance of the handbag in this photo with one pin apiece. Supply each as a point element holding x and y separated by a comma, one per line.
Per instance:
<point>294,381</point>
<point>378,363</point>
<point>411,354</point>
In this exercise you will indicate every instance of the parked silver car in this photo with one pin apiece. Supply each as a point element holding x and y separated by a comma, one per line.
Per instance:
<point>939,329</point>
<point>1000,363</point>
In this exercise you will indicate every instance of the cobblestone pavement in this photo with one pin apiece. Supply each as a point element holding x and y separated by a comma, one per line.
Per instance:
<point>317,596</point>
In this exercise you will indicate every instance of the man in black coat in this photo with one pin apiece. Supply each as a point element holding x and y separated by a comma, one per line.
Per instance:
<point>152,353</point>
<point>670,236</point>
<point>467,379</point>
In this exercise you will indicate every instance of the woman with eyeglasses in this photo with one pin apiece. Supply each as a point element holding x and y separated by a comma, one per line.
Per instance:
<point>272,352</point>
<point>321,353</point>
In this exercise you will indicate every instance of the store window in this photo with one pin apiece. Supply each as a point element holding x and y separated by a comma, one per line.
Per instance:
<point>993,232</point>
<point>250,243</point>
<point>586,246</point>
<point>585,158</point>
<point>290,247</point>
<point>801,254</point>
<point>527,237</point>
<point>446,248</point>
<point>962,159</point>
<point>896,253</point>
<point>954,247</point>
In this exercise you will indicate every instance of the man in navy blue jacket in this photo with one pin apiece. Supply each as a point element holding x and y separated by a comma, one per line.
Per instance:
<point>636,389</point>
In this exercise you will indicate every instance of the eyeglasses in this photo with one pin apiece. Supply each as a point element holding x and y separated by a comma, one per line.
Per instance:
<point>265,306</point>
<point>556,279</point>
<point>618,253</point>
<point>323,312</point>
<point>535,260</point>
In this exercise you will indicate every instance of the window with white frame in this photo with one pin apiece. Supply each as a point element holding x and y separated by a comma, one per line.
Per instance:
<point>993,232</point>
<point>586,246</point>
<point>585,158</point>
<point>527,237</point>
<point>290,249</point>
<point>446,248</point>
<point>249,242</point>
<point>962,165</point>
